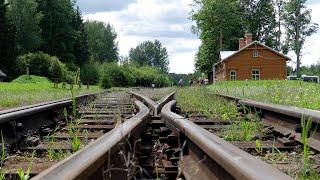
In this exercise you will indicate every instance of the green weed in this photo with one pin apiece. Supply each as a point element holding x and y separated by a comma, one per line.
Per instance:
<point>259,147</point>
<point>3,150</point>
<point>26,175</point>
<point>2,174</point>
<point>75,143</point>
<point>23,175</point>
<point>306,126</point>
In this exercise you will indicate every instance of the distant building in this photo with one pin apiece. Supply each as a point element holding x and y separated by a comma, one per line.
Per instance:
<point>253,60</point>
<point>2,76</point>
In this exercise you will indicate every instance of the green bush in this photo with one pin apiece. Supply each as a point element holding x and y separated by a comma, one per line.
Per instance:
<point>42,64</point>
<point>131,75</point>
<point>115,74</point>
<point>89,74</point>
<point>105,82</point>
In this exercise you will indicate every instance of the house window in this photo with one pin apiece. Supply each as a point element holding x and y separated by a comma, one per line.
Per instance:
<point>255,53</point>
<point>233,75</point>
<point>255,74</point>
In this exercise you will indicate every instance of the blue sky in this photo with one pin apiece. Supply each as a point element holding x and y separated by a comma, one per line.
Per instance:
<point>167,20</point>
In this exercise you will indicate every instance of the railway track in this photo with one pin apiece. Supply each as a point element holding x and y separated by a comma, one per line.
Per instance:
<point>279,141</point>
<point>156,143</point>
<point>129,136</point>
<point>37,137</point>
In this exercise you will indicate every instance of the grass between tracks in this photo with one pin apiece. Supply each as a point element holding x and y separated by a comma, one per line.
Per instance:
<point>200,99</point>
<point>293,93</point>
<point>36,90</point>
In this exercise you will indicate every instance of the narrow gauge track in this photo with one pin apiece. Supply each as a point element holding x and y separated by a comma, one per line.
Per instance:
<point>151,145</point>
<point>39,136</point>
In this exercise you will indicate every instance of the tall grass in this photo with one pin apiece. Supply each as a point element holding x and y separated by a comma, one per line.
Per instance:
<point>306,126</point>
<point>21,94</point>
<point>293,93</point>
<point>201,100</point>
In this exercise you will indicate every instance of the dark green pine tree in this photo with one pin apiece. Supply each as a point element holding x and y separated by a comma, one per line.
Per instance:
<point>81,47</point>
<point>112,44</point>
<point>3,36</point>
<point>59,36</point>
<point>6,44</point>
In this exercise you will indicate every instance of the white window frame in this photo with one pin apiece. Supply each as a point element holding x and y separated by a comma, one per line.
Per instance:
<point>255,75</point>
<point>233,77</point>
<point>255,53</point>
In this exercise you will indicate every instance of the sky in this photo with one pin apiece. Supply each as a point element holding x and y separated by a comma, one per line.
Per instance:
<point>136,21</point>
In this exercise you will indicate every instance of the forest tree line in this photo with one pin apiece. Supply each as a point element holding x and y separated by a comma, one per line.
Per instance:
<point>50,38</point>
<point>280,24</point>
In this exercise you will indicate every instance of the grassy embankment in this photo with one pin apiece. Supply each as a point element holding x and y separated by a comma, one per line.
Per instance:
<point>33,89</point>
<point>292,93</point>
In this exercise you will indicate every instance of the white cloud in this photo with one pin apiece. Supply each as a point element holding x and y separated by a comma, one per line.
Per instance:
<point>165,20</point>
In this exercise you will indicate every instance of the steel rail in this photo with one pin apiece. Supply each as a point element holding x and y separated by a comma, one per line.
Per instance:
<point>17,113</point>
<point>154,106</point>
<point>285,110</point>
<point>284,118</point>
<point>235,162</point>
<point>42,104</point>
<point>146,100</point>
<point>164,101</point>
<point>89,162</point>
<point>291,111</point>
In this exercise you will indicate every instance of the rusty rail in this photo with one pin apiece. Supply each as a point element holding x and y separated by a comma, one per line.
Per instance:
<point>285,119</point>
<point>146,100</point>
<point>216,157</point>
<point>285,110</point>
<point>21,112</point>
<point>154,106</point>
<point>89,162</point>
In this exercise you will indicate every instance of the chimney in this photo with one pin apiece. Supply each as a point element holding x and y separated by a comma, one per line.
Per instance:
<point>248,38</point>
<point>242,43</point>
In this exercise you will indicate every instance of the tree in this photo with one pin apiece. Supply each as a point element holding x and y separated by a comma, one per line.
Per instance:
<point>59,36</point>
<point>25,20</point>
<point>89,74</point>
<point>161,57</point>
<point>298,25</point>
<point>81,46</point>
<point>150,53</point>
<point>259,18</point>
<point>219,25</point>
<point>3,36</point>
<point>7,62</point>
<point>102,42</point>
<point>280,9</point>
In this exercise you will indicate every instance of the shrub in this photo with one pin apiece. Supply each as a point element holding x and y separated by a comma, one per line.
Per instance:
<point>42,64</point>
<point>115,74</point>
<point>89,74</point>
<point>105,82</point>
<point>131,75</point>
